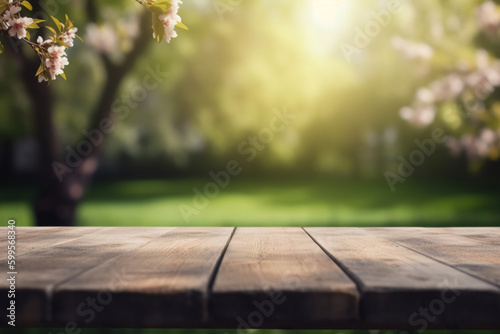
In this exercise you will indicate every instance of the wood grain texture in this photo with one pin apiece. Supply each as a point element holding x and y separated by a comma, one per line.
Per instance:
<point>278,277</point>
<point>486,234</point>
<point>401,288</point>
<point>402,278</point>
<point>466,250</point>
<point>40,271</point>
<point>164,283</point>
<point>30,239</point>
<point>28,231</point>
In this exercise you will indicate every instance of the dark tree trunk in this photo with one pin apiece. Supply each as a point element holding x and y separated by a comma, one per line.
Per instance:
<point>57,201</point>
<point>59,195</point>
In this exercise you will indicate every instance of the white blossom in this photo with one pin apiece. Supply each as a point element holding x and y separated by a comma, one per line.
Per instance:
<point>69,36</point>
<point>40,41</point>
<point>412,50</point>
<point>170,19</point>
<point>448,88</point>
<point>424,97</point>
<point>480,146</point>
<point>419,116</point>
<point>56,61</point>
<point>488,17</point>
<point>18,26</point>
<point>102,38</point>
<point>42,78</point>
<point>10,13</point>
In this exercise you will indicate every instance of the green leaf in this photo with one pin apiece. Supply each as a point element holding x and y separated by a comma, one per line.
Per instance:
<point>33,26</point>
<point>4,4</point>
<point>68,25</point>
<point>63,76</point>
<point>28,36</point>
<point>162,6</point>
<point>40,70</point>
<point>58,24</point>
<point>1,48</point>
<point>158,29</point>
<point>51,29</point>
<point>62,43</point>
<point>156,10</point>
<point>27,5</point>
<point>181,25</point>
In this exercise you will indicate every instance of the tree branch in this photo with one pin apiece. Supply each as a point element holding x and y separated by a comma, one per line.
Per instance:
<point>116,72</point>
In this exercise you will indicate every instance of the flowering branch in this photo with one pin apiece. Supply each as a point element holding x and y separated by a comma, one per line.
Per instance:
<point>463,96</point>
<point>165,18</point>
<point>52,51</point>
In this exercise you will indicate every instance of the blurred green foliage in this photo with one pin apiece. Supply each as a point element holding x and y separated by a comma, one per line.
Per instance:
<point>233,68</point>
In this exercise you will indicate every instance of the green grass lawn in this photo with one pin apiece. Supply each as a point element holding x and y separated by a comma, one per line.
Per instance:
<point>274,203</point>
<point>319,202</point>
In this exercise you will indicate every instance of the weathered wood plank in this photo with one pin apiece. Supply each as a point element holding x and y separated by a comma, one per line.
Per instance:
<point>164,283</point>
<point>473,256</point>
<point>278,277</point>
<point>40,271</point>
<point>405,289</point>
<point>486,234</point>
<point>29,231</point>
<point>30,239</point>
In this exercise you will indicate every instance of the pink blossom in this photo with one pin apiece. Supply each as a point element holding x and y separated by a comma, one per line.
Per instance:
<point>102,38</point>
<point>448,88</point>
<point>170,19</point>
<point>19,25</point>
<point>419,116</point>
<point>56,61</point>
<point>10,13</point>
<point>488,17</point>
<point>69,36</point>
<point>412,50</point>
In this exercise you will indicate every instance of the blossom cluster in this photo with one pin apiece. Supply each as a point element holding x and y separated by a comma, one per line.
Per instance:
<point>412,50</point>
<point>170,20</point>
<point>113,38</point>
<point>486,144</point>
<point>463,92</point>
<point>12,21</point>
<point>471,87</point>
<point>52,51</point>
<point>165,18</point>
<point>488,17</point>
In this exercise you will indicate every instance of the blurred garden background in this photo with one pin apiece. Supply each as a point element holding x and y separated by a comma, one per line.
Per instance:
<point>263,113</point>
<point>326,111</point>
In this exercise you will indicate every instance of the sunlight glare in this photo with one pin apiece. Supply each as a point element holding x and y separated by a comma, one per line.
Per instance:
<point>331,13</point>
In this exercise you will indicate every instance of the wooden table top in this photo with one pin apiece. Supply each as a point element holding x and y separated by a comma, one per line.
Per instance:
<point>249,277</point>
